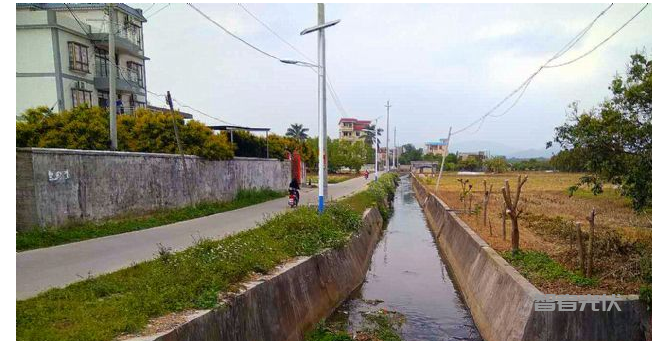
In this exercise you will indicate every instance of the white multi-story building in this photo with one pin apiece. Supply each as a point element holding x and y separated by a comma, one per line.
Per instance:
<point>62,56</point>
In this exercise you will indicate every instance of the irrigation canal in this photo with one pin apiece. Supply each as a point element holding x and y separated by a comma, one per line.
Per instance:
<point>408,275</point>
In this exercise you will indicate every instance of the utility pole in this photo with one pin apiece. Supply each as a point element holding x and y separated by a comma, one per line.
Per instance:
<point>387,139</point>
<point>394,156</point>
<point>323,135</point>
<point>376,142</point>
<point>321,67</point>
<point>443,158</point>
<point>113,128</point>
<point>180,147</point>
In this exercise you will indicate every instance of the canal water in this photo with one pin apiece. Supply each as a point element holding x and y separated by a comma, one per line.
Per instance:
<point>408,275</point>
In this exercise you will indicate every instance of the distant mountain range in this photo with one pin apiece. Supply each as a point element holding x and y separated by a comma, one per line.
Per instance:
<point>497,148</point>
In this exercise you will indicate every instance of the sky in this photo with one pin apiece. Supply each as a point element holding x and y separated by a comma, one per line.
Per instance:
<point>439,65</point>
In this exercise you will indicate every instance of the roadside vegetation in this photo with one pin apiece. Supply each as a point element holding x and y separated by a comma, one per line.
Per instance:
<point>123,302</point>
<point>550,255</point>
<point>332,178</point>
<point>88,230</point>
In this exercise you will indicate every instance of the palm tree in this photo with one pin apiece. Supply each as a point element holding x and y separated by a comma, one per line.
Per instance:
<point>372,133</point>
<point>297,131</point>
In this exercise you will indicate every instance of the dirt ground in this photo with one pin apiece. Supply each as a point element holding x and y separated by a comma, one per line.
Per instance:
<point>549,214</point>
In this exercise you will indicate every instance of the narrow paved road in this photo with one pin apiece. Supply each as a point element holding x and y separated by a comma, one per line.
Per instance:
<point>57,266</point>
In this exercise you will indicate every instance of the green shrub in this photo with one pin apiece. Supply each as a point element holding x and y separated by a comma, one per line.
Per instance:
<point>145,131</point>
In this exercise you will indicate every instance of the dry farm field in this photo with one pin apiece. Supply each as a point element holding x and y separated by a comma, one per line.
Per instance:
<point>623,238</point>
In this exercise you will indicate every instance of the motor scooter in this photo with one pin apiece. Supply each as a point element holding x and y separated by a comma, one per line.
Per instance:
<point>293,198</point>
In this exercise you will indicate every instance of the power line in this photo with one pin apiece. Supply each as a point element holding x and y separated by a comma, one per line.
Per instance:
<point>523,86</point>
<point>231,34</point>
<point>77,20</point>
<point>276,34</point>
<point>331,89</point>
<point>602,42</point>
<point>148,8</point>
<point>159,10</point>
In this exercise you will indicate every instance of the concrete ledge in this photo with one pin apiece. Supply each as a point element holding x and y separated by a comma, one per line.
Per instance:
<point>502,301</point>
<point>287,304</point>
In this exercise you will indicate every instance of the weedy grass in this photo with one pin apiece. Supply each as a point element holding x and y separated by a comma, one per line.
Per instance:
<point>88,230</point>
<point>104,307</point>
<point>381,325</point>
<point>538,266</point>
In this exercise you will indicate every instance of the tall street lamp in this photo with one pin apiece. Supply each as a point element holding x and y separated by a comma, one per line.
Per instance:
<point>321,71</point>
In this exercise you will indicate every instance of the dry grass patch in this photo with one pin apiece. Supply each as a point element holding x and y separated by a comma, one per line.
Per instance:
<point>622,237</point>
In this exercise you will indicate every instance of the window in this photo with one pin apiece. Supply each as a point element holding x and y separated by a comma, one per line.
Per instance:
<point>101,62</point>
<point>78,56</point>
<point>135,72</point>
<point>103,99</point>
<point>80,96</point>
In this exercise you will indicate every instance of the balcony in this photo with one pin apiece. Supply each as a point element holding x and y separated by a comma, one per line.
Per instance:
<point>126,41</point>
<point>126,81</point>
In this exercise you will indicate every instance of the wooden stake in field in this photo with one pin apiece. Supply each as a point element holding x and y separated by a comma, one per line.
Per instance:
<point>513,210</point>
<point>485,202</point>
<point>580,247</point>
<point>503,215</point>
<point>591,220</point>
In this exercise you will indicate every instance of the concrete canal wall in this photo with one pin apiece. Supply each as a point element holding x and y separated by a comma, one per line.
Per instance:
<point>58,186</point>
<point>502,301</point>
<point>287,304</point>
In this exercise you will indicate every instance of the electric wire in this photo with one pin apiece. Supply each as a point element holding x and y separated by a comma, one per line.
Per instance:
<point>601,43</point>
<point>525,84</point>
<point>232,34</point>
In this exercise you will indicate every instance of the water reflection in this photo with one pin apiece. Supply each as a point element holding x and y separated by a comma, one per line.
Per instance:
<point>407,275</point>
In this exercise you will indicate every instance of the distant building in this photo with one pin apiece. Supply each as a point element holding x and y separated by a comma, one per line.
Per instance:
<point>62,56</point>
<point>437,148</point>
<point>481,155</point>
<point>352,129</point>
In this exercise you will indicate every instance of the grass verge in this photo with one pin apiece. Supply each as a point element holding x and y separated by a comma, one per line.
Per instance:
<point>537,267</point>
<point>107,306</point>
<point>89,230</point>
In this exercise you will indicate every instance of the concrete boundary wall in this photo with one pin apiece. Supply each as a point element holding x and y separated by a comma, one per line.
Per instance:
<point>55,187</point>
<point>289,303</point>
<point>502,301</point>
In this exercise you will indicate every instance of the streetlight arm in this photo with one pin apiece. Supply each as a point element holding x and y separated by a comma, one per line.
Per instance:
<point>298,63</point>
<point>320,27</point>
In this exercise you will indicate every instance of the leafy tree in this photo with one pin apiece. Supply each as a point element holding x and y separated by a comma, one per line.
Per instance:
<point>88,128</point>
<point>571,160</point>
<point>532,164</point>
<point>297,131</point>
<point>371,133</point>
<point>496,164</point>
<point>469,164</point>
<point>616,137</point>
<point>348,154</point>
<point>410,153</point>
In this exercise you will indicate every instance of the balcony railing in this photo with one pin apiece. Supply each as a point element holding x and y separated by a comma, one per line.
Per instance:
<point>131,34</point>
<point>132,76</point>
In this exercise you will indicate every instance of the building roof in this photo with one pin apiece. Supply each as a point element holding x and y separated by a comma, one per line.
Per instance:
<point>229,128</point>
<point>185,115</point>
<point>136,12</point>
<point>441,142</point>
<point>354,120</point>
